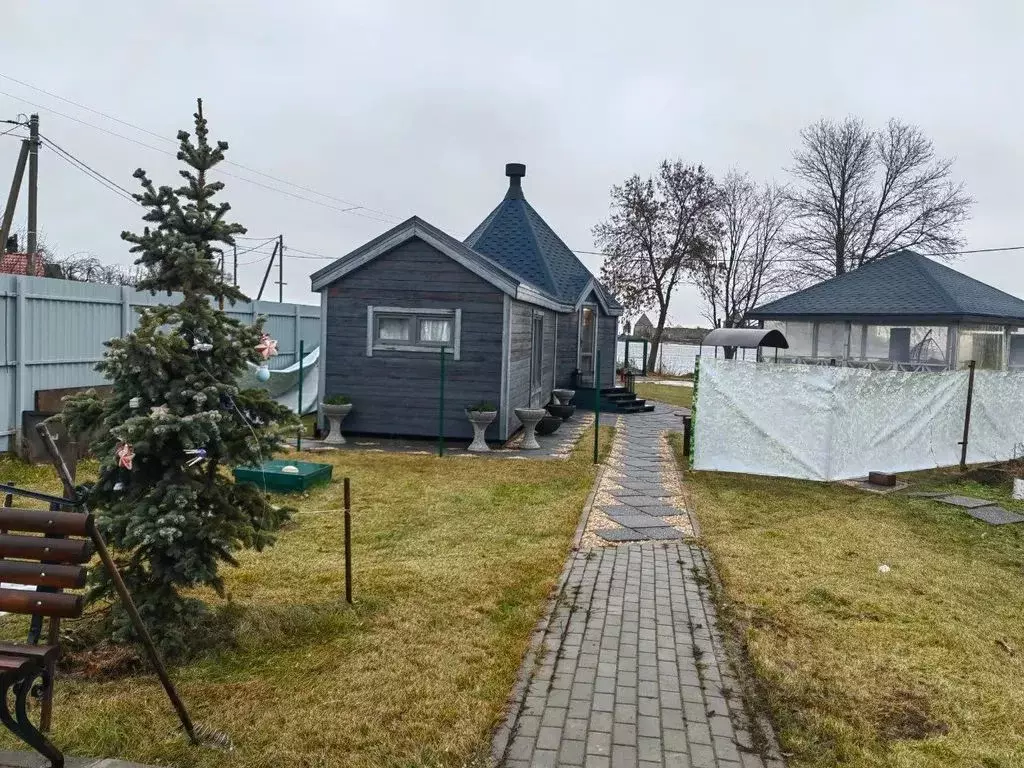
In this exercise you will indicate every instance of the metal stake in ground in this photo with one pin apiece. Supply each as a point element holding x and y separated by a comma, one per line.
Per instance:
<point>440,411</point>
<point>348,544</point>
<point>597,402</point>
<point>298,435</point>
<point>967,415</point>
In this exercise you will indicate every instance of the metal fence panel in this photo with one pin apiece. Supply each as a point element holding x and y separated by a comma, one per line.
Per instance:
<point>52,334</point>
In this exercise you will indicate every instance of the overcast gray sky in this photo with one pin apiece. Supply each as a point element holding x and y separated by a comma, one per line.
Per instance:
<point>414,108</point>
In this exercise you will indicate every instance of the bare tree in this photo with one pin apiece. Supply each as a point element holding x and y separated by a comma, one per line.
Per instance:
<point>862,193</point>
<point>86,268</point>
<point>659,229</point>
<point>745,267</point>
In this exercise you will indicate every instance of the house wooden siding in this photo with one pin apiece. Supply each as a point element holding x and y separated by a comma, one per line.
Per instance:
<point>520,366</point>
<point>398,392</point>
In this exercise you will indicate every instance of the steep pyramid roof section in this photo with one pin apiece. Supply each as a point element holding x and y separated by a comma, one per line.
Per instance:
<point>516,237</point>
<point>905,284</point>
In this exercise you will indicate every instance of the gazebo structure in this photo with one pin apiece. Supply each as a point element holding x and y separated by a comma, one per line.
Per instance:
<point>902,312</point>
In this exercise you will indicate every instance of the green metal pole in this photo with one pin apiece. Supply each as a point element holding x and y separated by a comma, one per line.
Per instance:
<point>626,361</point>
<point>645,357</point>
<point>298,436</point>
<point>440,412</point>
<point>597,404</point>
<point>693,409</point>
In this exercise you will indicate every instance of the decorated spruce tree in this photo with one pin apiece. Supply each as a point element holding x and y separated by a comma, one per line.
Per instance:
<point>177,420</point>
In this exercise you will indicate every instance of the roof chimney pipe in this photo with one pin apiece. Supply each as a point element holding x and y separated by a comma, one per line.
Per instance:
<point>515,173</point>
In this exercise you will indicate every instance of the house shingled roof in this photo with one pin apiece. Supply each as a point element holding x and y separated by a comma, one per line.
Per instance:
<point>516,237</point>
<point>904,284</point>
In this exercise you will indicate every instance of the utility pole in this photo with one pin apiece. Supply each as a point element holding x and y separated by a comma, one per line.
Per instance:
<point>234,249</point>
<point>280,269</point>
<point>33,190</point>
<point>12,199</point>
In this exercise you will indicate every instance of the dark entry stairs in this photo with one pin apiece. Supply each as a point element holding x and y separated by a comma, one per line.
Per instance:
<point>613,400</point>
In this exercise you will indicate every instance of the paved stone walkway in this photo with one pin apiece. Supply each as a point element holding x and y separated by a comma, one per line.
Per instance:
<point>631,672</point>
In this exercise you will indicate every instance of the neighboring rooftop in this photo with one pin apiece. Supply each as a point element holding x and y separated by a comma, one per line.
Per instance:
<point>904,285</point>
<point>515,236</point>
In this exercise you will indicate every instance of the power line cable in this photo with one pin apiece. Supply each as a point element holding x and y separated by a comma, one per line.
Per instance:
<point>54,145</point>
<point>351,206</point>
<point>85,169</point>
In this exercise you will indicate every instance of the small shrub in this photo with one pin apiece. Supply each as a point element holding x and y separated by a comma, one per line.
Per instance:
<point>484,406</point>
<point>337,400</point>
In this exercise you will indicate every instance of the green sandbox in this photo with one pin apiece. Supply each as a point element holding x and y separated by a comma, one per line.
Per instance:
<point>269,475</point>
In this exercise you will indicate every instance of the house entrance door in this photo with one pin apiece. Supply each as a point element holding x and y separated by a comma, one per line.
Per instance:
<point>588,345</point>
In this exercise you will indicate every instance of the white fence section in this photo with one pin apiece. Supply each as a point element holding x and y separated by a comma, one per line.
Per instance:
<point>52,334</point>
<point>821,423</point>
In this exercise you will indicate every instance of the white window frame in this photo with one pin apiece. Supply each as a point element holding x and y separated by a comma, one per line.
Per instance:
<point>415,314</point>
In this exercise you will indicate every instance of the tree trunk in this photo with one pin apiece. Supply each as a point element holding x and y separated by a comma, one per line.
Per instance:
<point>652,357</point>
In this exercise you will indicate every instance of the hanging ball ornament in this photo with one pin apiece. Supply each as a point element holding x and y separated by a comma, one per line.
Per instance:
<point>263,373</point>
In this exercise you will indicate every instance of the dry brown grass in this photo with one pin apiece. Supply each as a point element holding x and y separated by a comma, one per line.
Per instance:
<point>922,666</point>
<point>453,560</point>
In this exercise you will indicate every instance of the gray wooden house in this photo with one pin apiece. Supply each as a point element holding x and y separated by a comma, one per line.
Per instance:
<point>516,313</point>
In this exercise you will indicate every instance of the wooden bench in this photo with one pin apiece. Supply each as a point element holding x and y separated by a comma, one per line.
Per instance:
<point>46,551</point>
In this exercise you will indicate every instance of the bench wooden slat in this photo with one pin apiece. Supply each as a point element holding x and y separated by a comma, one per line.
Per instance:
<point>11,663</point>
<point>42,575</point>
<point>44,548</point>
<point>61,605</point>
<point>43,652</point>
<point>44,521</point>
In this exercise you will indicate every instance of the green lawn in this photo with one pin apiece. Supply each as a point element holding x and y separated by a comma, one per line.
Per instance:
<point>666,393</point>
<point>922,666</point>
<point>453,560</point>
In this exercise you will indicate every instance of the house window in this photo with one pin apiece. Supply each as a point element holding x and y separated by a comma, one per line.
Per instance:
<point>408,329</point>
<point>983,344</point>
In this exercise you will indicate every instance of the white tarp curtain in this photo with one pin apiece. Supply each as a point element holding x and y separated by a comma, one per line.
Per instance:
<point>833,423</point>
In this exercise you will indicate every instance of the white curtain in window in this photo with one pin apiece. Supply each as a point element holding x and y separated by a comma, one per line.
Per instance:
<point>393,329</point>
<point>437,331</point>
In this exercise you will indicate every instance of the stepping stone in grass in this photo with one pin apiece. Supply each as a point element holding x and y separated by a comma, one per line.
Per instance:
<point>967,502</point>
<point>993,515</point>
<point>620,534</point>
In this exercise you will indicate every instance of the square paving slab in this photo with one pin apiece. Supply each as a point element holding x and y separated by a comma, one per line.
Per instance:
<point>664,532</point>
<point>661,510</point>
<point>638,521</point>
<point>967,502</point>
<point>621,534</point>
<point>993,515</point>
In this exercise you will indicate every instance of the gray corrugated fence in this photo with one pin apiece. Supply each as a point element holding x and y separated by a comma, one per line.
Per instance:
<point>52,334</point>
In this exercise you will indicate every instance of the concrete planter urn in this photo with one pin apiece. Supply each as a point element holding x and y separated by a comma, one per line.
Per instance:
<point>561,411</point>
<point>529,417</point>
<point>480,421</point>
<point>335,413</point>
<point>563,396</point>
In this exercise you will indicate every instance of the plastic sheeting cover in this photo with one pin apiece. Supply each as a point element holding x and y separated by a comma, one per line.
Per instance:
<point>825,423</point>
<point>283,384</point>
